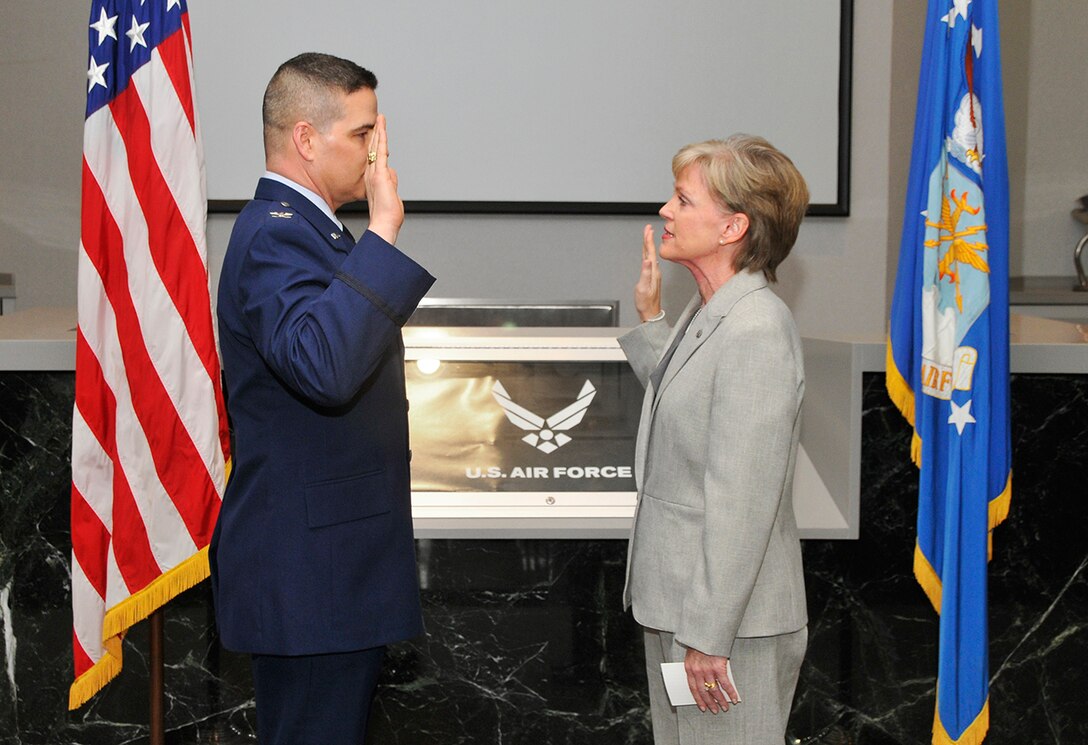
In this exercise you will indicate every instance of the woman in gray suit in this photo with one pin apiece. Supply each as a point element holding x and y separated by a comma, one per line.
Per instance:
<point>714,564</point>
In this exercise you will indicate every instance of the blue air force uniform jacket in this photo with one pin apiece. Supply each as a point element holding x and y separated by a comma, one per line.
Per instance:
<point>313,551</point>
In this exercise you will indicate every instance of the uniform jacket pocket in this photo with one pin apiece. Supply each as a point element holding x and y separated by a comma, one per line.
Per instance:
<point>348,498</point>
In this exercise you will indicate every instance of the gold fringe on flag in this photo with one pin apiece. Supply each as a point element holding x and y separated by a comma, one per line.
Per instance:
<point>927,578</point>
<point>999,505</point>
<point>131,611</point>
<point>903,398</point>
<point>93,680</point>
<point>973,735</point>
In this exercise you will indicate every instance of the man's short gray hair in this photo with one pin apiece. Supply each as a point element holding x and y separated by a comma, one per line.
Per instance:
<point>309,88</point>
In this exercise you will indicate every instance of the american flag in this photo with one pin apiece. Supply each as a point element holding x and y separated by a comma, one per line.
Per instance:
<point>150,448</point>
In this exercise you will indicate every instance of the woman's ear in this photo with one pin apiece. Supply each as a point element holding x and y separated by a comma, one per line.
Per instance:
<point>735,229</point>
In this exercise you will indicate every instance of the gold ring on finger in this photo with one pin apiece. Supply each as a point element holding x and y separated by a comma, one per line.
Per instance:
<point>710,685</point>
<point>371,156</point>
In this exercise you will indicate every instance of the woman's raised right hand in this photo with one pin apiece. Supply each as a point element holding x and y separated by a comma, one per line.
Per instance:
<point>648,288</point>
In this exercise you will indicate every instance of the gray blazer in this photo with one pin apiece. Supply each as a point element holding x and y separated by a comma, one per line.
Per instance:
<point>714,552</point>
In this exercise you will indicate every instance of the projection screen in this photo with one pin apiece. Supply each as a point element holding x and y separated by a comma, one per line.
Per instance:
<point>566,106</point>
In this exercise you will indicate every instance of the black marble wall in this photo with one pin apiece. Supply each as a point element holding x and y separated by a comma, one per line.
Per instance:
<point>526,642</point>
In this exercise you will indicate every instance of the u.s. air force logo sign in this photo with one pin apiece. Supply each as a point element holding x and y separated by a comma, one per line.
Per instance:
<point>546,435</point>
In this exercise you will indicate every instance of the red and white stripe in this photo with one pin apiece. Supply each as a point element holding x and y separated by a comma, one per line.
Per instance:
<point>149,441</point>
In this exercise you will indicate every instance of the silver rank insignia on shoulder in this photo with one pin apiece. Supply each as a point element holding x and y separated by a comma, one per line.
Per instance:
<point>285,204</point>
<point>274,213</point>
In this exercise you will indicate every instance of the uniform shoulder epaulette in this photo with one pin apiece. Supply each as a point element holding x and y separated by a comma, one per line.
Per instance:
<point>282,213</point>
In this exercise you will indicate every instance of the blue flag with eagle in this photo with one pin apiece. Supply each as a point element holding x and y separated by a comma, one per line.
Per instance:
<point>948,344</point>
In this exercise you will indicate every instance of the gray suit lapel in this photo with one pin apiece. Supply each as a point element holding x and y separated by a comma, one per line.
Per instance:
<point>674,341</point>
<point>718,308</point>
<point>650,397</point>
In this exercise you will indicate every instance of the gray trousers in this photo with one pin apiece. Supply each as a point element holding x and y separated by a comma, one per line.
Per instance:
<point>765,670</point>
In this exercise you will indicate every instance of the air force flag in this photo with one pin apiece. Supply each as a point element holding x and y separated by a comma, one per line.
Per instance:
<point>948,346</point>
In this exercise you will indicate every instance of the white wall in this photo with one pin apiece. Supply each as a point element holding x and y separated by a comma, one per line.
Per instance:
<point>43,57</point>
<point>1046,83</point>
<point>836,281</point>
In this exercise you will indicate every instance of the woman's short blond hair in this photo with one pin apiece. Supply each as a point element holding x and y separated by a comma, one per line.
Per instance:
<point>747,174</point>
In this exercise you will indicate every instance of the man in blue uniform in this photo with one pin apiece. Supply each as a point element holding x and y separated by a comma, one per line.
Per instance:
<point>313,561</point>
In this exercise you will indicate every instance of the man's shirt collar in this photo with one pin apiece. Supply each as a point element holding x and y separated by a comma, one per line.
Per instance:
<point>320,203</point>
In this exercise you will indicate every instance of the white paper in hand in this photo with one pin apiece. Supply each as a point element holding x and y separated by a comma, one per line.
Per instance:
<point>676,683</point>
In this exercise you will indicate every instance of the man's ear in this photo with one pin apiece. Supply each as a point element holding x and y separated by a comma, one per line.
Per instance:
<point>304,136</point>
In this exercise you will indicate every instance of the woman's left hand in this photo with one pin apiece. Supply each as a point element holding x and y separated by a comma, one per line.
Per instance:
<point>708,679</point>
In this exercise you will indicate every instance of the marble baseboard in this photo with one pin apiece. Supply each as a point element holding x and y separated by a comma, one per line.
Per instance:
<point>526,641</point>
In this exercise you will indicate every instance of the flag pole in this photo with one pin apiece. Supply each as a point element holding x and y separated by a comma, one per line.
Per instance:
<point>158,730</point>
